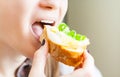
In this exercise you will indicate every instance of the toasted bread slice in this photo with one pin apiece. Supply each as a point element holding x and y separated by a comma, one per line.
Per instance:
<point>64,48</point>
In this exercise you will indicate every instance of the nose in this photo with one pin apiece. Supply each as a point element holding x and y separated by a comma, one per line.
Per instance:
<point>49,4</point>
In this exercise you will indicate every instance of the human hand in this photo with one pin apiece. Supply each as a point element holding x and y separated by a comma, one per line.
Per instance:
<point>87,70</point>
<point>39,61</point>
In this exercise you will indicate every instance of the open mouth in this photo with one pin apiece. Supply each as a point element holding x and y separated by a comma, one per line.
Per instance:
<point>38,26</point>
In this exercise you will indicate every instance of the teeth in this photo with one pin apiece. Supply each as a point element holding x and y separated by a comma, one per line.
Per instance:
<point>47,21</point>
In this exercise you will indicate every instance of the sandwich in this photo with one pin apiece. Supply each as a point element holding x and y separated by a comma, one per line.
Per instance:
<point>65,45</point>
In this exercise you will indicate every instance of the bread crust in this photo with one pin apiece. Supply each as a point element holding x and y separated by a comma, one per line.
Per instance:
<point>62,54</point>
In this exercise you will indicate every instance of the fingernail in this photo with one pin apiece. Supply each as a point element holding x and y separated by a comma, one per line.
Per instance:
<point>43,42</point>
<point>88,51</point>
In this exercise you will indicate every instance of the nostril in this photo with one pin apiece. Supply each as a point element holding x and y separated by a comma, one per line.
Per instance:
<point>48,5</point>
<point>44,6</point>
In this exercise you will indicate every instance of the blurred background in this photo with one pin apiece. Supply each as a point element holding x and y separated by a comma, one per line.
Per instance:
<point>100,21</point>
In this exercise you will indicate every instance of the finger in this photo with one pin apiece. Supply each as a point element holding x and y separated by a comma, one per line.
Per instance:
<point>40,56</point>
<point>76,73</point>
<point>89,60</point>
<point>39,61</point>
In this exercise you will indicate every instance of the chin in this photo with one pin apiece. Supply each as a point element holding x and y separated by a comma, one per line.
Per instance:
<point>28,50</point>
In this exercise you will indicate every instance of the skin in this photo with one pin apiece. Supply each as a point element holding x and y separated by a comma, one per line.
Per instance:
<point>18,40</point>
<point>18,16</point>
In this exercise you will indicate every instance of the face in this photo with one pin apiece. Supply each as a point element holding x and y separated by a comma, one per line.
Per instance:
<point>22,21</point>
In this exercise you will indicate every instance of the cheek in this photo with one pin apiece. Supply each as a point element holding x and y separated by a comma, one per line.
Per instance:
<point>8,19</point>
<point>14,27</point>
<point>64,7</point>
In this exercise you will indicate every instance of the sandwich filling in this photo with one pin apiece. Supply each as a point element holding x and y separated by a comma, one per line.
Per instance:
<point>67,38</point>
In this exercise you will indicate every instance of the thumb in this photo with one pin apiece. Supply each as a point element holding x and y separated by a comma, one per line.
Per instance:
<point>39,61</point>
<point>89,60</point>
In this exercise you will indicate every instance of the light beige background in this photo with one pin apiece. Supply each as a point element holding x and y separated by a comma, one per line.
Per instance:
<point>100,21</point>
